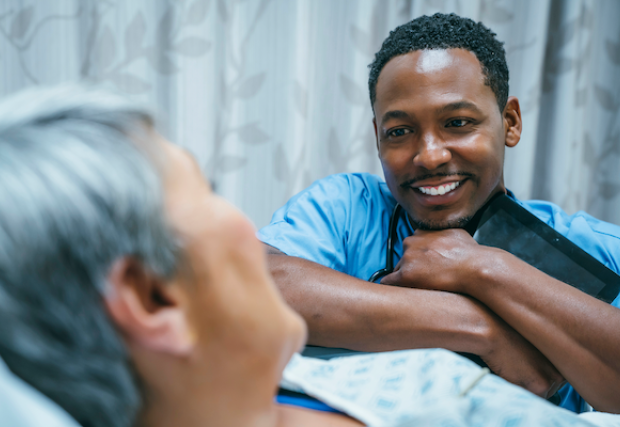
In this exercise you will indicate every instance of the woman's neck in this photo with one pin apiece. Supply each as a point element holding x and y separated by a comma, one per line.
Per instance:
<point>292,416</point>
<point>195,414</point>
<point>202,413</point>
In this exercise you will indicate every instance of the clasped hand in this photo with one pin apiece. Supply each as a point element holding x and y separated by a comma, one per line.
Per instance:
<point>448,260</point>
<point>441,260</point>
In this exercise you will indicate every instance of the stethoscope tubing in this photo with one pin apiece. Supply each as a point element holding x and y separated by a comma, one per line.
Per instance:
<point>389,251</point>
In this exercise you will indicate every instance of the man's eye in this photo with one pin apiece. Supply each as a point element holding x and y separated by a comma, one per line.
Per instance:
<point>459,123</point>
<point>398,132</point>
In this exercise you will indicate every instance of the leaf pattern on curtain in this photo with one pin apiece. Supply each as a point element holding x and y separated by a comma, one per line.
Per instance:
<point>271,95</point>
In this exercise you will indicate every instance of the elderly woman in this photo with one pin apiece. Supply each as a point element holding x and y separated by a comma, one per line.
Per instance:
<point>129,292</point>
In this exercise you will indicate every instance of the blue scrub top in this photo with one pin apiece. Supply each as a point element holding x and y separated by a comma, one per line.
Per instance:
<point>342,222</point>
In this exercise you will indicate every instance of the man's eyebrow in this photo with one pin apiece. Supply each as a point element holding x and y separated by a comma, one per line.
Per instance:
<point>394,114</point>
<point>458,106</point>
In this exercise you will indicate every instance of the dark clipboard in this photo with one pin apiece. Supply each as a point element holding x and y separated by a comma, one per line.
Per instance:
<point>506,225</point>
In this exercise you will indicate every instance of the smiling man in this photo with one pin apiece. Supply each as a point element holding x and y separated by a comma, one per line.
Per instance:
<point>441,135</point>
<point>442,118</point>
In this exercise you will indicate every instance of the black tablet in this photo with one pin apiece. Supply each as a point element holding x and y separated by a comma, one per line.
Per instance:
<point>507,225</point>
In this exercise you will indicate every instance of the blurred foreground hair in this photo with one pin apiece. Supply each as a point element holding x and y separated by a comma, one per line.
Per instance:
<point>78,190</point>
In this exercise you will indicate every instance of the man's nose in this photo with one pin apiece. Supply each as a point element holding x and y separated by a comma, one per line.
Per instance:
<point>432,153</point>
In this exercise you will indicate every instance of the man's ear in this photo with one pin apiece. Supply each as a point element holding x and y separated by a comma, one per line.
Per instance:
<point>374,124</point>
<point>146,310</point>
<point>512,121</point>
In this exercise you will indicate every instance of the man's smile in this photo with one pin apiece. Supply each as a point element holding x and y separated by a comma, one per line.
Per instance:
<point>436,179</point>
<point>439,190</point>
<point>446,192</point>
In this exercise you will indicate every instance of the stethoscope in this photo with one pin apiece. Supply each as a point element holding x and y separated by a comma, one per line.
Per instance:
<point>389,251</point>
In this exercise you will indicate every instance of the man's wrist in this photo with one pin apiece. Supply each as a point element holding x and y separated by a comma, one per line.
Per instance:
<point>483,271</point>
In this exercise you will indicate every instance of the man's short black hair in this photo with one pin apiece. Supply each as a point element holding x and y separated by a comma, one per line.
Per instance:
<point>442,31</point>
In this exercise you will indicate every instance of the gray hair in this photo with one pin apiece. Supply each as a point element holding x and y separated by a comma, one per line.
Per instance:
<point>77,191</point>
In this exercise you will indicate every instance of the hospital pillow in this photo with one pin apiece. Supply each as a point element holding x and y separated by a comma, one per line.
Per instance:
<point>21,405</point>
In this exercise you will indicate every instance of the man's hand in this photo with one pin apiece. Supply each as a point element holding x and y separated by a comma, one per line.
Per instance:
<point>442,260</point>
<point>437,260</point>
<point>513,358</point>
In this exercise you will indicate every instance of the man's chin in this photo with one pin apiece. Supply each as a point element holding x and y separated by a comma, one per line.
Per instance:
<point>430,225</point>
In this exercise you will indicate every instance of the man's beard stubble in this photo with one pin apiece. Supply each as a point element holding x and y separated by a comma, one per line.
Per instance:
<point>439,225</point>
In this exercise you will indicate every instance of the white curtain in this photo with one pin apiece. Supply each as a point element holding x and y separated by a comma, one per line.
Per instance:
<point>271,95</point>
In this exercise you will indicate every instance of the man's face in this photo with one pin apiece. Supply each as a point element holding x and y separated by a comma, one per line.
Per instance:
<point>233,301</point>
<point>440,136</point>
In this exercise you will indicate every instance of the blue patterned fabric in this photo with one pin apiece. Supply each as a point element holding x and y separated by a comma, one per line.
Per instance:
<point>342,222</point>
<point>436,387</point>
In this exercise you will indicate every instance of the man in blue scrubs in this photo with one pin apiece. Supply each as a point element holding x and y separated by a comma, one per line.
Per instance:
<point>442,119</point>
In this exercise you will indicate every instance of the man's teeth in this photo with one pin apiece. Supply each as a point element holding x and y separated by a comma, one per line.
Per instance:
<point>439,191</point>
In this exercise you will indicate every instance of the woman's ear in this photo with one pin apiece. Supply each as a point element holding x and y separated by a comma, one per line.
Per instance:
<point>512,121</point>
<point>148,312</point>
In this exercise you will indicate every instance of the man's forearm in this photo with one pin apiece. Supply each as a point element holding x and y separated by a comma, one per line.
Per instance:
<point>576,332</point>
<point>343,311</point>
